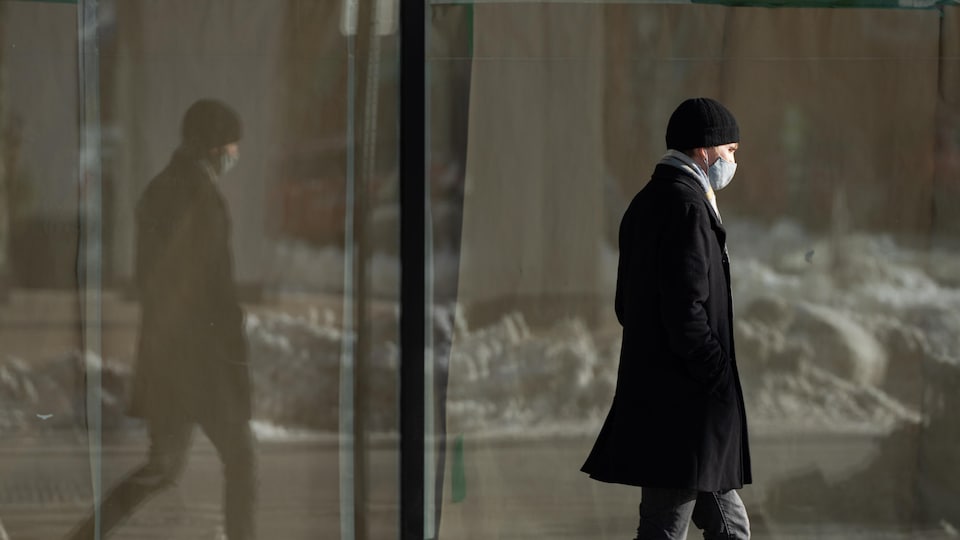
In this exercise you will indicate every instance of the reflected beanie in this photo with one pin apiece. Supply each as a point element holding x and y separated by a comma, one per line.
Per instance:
<point>701,123</point>
<point>210,123</point>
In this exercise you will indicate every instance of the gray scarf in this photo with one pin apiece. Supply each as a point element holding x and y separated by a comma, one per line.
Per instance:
<point>679,160</point>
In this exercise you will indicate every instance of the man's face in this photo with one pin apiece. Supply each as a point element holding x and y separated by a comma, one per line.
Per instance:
<point>705,157</point>
<point>232,150</point>
<point>224,157</point>
<point>725,151</point>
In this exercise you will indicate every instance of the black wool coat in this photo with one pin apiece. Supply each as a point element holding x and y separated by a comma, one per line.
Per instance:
<point>677,419</point>
<point>192,351</point>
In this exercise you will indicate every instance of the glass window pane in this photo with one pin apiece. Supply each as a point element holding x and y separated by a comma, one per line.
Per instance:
<point>840,226</point>
<point>245,379</point>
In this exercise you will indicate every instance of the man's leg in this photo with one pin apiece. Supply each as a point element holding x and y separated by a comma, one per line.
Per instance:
<point>722,516</point>
<point>234,443</point>
<point>665,513</point>
<point>169,441</point>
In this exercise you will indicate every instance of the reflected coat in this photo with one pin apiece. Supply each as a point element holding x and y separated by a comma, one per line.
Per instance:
<point>192,353</point>
<point>677,419</point>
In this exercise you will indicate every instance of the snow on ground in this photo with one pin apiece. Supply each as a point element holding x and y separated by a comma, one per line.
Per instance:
<point>833,334</point>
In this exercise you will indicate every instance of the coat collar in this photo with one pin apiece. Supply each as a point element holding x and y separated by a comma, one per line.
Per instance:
<point>681,176</point>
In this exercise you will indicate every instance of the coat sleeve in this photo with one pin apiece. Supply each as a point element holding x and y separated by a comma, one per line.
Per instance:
<point>684,289</point>
<point>151,265</point>
<point>214,260</point>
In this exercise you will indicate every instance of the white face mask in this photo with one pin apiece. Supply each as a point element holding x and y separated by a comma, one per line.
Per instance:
<point>721,173</point>
<point>227,162</point>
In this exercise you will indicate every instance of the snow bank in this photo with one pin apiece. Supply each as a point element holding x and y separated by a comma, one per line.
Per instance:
<point>834,334</point>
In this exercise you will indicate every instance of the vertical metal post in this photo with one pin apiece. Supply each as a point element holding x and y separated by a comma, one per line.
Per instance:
<point>90,249</point>
<point>431,441</point>
<point>412,267</point>
<point>5,204</point>
<point>347,426</point>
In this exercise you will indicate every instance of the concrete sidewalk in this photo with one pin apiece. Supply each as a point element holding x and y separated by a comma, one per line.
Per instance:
<point>45,489</point>
<point>516,490</point>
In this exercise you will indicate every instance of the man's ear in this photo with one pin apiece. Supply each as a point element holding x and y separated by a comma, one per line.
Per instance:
<point>701,155</point>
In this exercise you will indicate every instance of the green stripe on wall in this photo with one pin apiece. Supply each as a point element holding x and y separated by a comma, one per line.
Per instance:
<point>839,4</point>
<point>42,1</point>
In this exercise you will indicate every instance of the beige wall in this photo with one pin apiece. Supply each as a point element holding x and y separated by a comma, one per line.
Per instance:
<point>838,110</point>
<point>532,211</point>
<point>835,100</point>
<point>825,97</point>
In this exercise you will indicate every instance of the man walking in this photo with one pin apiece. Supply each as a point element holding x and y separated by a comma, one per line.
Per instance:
<point>192,355</point>
<point>677,426</point>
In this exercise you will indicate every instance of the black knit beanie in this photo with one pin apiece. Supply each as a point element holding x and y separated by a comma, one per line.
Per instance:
<point>210,123</point>
<point>701,123</point>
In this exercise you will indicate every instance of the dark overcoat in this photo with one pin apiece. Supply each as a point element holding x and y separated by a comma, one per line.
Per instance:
<point>192,353</point>
<point>677,419</point>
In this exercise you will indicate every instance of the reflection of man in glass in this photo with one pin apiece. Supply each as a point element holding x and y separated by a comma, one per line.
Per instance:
<point>192,358</point>
<point>677,427</point>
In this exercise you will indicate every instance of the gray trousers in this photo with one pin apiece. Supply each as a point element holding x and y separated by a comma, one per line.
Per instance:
<point>665,514</point>
<point>169,448</point>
